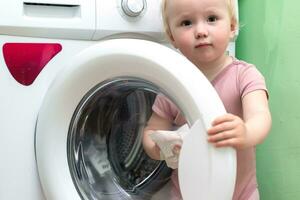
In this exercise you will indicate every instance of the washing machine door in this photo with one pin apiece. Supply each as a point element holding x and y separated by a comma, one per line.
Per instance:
<point>90,127</point>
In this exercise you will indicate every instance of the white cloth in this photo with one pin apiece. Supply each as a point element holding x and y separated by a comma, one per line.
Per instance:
<point>166,141</point>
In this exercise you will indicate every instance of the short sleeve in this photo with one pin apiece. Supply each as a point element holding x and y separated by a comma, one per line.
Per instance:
<point>250,79</point>
<point>165,108</point>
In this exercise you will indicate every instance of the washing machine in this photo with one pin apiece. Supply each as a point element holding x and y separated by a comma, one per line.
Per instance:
<point>77,80</point>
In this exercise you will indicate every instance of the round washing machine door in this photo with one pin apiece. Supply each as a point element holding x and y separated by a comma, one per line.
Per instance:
<point>90,127</point>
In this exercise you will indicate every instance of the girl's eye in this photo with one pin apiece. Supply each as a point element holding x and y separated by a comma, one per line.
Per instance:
<point>186,23</point>
<point>212,19</point>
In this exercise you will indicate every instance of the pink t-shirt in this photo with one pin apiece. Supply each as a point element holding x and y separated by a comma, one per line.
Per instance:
<point>232,84</point>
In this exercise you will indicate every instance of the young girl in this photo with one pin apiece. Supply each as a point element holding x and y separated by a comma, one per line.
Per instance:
<point>202,30</point>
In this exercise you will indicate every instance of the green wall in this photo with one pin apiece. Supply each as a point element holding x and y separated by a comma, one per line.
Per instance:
<point>270,39</point>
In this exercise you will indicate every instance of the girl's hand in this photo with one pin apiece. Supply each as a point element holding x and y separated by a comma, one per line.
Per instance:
<point>228,130</point>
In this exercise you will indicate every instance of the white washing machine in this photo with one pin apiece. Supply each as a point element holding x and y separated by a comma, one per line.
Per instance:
<point>77,81</point>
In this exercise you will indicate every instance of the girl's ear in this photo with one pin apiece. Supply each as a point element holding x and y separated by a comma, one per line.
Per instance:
<point>233,29</point>
<point>171,38</point>
<point>173,42</point>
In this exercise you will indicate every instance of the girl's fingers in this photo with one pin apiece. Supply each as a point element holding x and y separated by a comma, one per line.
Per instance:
<point>220,128</point>
<point>176,149</point>
<point>220,136</point>
<point>222,119</point>
<point>226,143</point>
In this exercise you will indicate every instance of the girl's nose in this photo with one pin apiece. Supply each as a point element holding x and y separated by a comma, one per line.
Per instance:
<point>201,31</point>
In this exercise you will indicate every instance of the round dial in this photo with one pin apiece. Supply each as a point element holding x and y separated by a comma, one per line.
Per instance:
<point>133,8</point>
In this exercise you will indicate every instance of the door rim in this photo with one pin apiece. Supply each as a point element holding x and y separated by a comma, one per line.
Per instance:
<point>138,58</point>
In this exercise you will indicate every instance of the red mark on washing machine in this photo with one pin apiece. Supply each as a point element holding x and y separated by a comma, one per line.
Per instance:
<point>25,61</point>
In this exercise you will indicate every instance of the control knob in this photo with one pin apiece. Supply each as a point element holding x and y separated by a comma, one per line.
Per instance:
<point>133,8</point>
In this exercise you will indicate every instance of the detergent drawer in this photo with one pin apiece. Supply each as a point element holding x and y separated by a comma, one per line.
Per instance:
<point>48,18</point>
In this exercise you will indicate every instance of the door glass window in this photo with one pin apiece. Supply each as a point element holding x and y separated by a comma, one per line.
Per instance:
<point>105,152</point>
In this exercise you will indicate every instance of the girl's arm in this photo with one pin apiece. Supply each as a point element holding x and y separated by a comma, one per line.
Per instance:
<point>231,130</point>
<point>257,117</point>
<point>155,123</point>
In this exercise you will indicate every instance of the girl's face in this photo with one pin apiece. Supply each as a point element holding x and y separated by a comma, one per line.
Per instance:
<point>200,29</point>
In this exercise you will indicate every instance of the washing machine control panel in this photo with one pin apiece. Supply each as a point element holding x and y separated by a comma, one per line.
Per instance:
<point>82,19</point>
<point>133,8</point>
<point>129,18</point>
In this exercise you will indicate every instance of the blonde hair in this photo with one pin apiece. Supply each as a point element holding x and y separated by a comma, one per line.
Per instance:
<point>231,10</point>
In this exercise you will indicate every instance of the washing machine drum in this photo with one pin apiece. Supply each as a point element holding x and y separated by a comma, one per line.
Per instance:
<point>90,127</point>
